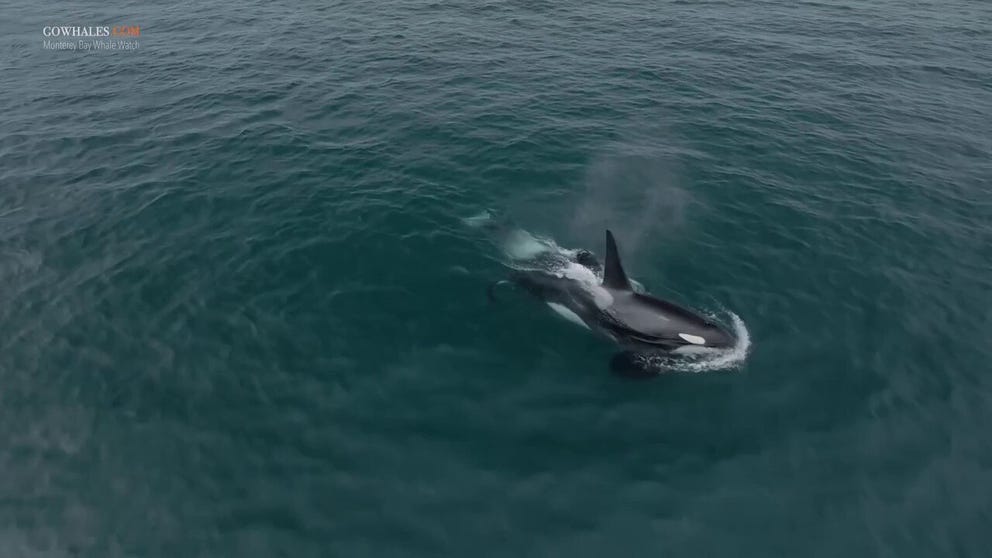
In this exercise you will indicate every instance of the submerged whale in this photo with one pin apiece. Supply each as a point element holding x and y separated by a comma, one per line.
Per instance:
<point>639,322</point>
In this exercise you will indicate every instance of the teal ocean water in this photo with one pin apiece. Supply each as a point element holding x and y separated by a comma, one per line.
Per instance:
<point>242,312</point>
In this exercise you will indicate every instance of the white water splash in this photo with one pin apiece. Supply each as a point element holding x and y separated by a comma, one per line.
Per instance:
<point>522,245</point>
<point>589,281</point>
<point>530,252</point>
<point>517,244</point>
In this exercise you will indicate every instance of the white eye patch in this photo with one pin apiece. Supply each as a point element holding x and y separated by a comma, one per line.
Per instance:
<point>694,339</point>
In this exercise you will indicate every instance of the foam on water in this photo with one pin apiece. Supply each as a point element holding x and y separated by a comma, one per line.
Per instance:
<point>522,245</point>
<point>589,280</point>
<point>519,245</point>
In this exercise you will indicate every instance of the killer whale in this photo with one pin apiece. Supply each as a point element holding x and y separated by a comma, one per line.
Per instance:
<point>638,322</point>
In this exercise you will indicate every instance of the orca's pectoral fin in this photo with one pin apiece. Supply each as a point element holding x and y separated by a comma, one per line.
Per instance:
<point>631,365</point>
<point>491,289</point>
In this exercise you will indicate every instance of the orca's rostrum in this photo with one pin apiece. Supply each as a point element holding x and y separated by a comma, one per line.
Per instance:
<point>640,323</point>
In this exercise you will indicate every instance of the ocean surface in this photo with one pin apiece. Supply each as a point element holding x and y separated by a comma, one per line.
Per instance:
<point>243,300</point>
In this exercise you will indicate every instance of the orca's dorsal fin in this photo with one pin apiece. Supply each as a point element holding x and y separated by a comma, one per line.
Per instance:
<point>613,275</point>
